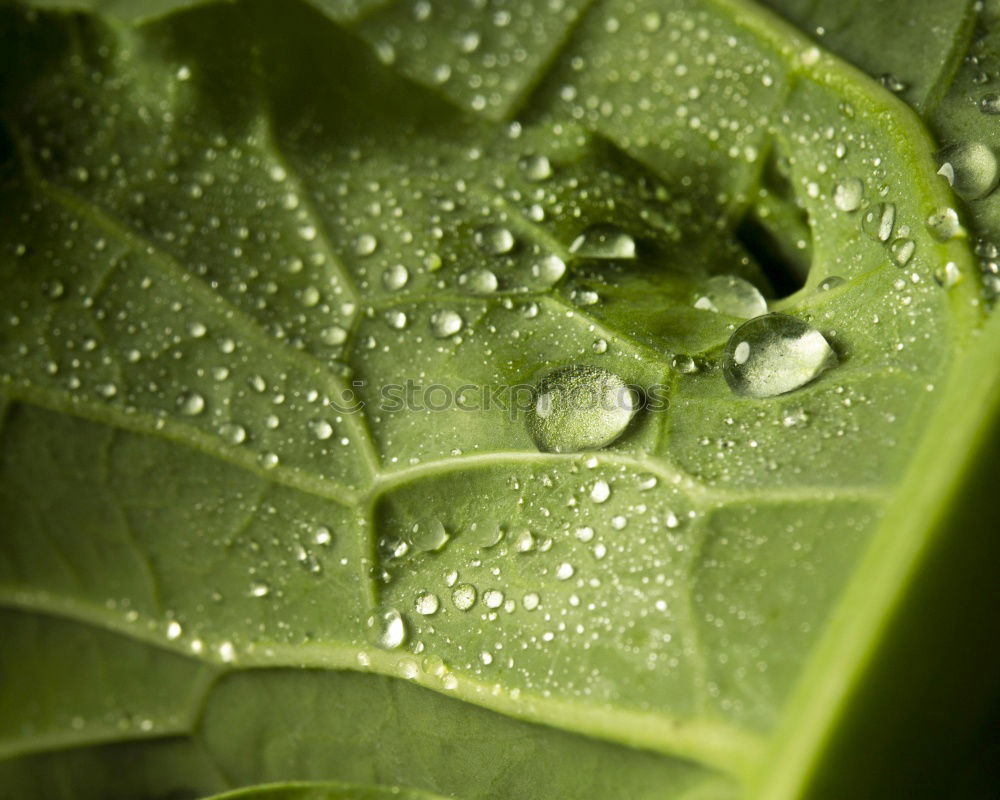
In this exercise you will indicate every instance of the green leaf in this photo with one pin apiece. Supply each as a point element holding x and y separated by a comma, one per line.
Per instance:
<point>233,233</point>
<point>323,791</point>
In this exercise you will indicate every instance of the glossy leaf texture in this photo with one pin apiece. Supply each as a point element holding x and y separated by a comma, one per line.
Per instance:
<point>272,510</point>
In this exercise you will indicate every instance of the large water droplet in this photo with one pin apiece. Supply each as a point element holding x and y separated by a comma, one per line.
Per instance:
<point>774,354</point>
<point>604,240</point>
<point>879,221</point>
<point>428,536</point>
<point>735,297</point>
<point>386,628</point>
<point>971,169</point>
<point>902,250</point>
<point>580,408</point>
<point>464,596</point>
<point>549,270</point>
<point>191,403</point>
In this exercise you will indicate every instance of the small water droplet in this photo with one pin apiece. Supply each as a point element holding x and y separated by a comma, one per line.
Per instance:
<point>259,589</point>
<point>479,281</point>
<point>321,429</point>
<point>365,245</point>
<point>774,354</point>
<point>565,571</point>
<point>493,598</point>
<point>386,629</point>
<point>600,491</point>
<point>832,282</point>
<point>580,408</point>
<point>847,194</point>
<point>395,277</point>
<point>989,103</point>
<point>174,630</point>
<point>536,167</point>
<point>892,83</point>
<point>733,296</point>
<point>233,433</point>
<point>427,604</point>
<point>494,239</point>
<point>191,403</point>
<point>549,270</point>
<point>948,275</point>
<point>943,224</point>
<point>334,335</point>
<point>464,596</point>
<point>445,323</point>
<point>604,241</point>
<point>902,250</point>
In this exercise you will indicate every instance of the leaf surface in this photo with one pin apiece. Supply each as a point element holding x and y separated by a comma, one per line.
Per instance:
<point>225,257</point>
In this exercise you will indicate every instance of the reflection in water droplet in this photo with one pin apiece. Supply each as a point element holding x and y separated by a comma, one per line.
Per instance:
<point>604,240</point>
<point>879,220</point>
<point>847,194</point>
<point>580,408</point>
<point>494,239</point>
<point>386,628</point>
<point>774,354</point>
<point>733,296</point>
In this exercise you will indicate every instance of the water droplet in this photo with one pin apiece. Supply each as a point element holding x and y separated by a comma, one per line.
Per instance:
<point>479,281</point>
<point>847,194</point>
<point>892,83</point>
<point>948,275</point>
<point>334,335</point>
<point>973,169</point>
<point>494,239</point>
<point>535,167</point>
<point>774,354</point>
<point>879,221</point>
<point>600,491</point>
<point>492,598</point>
<point>191,403</point>
<point>386,629</point>
<point>268,460</point>
<point>429,536</point>
<point>549,270</point>
<point>427,603</point>
<point>684,364</point>
<point>902,250</point>
<point>321,429</point>
<point>322,536</point>
<point>395,277</point>
<point>733,296</point>
<point>832,282</point>
<point>54,289</point>
<point>989,103</point>
<point>487,534</point>
<point>174,630</point>
<point>396,319</point>
<point>233,432</point>
<point>365,245</point>
<point>943,224</point>
<point>464,596</point>
<point>604,240</point>
<point>524,541</point>
<point>565,571</point>
<point>445,323</point>
<point>580,408</point>
<point>259,589</point>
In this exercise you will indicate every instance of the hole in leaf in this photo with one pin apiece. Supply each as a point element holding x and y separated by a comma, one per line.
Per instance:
<point>775,231</point>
